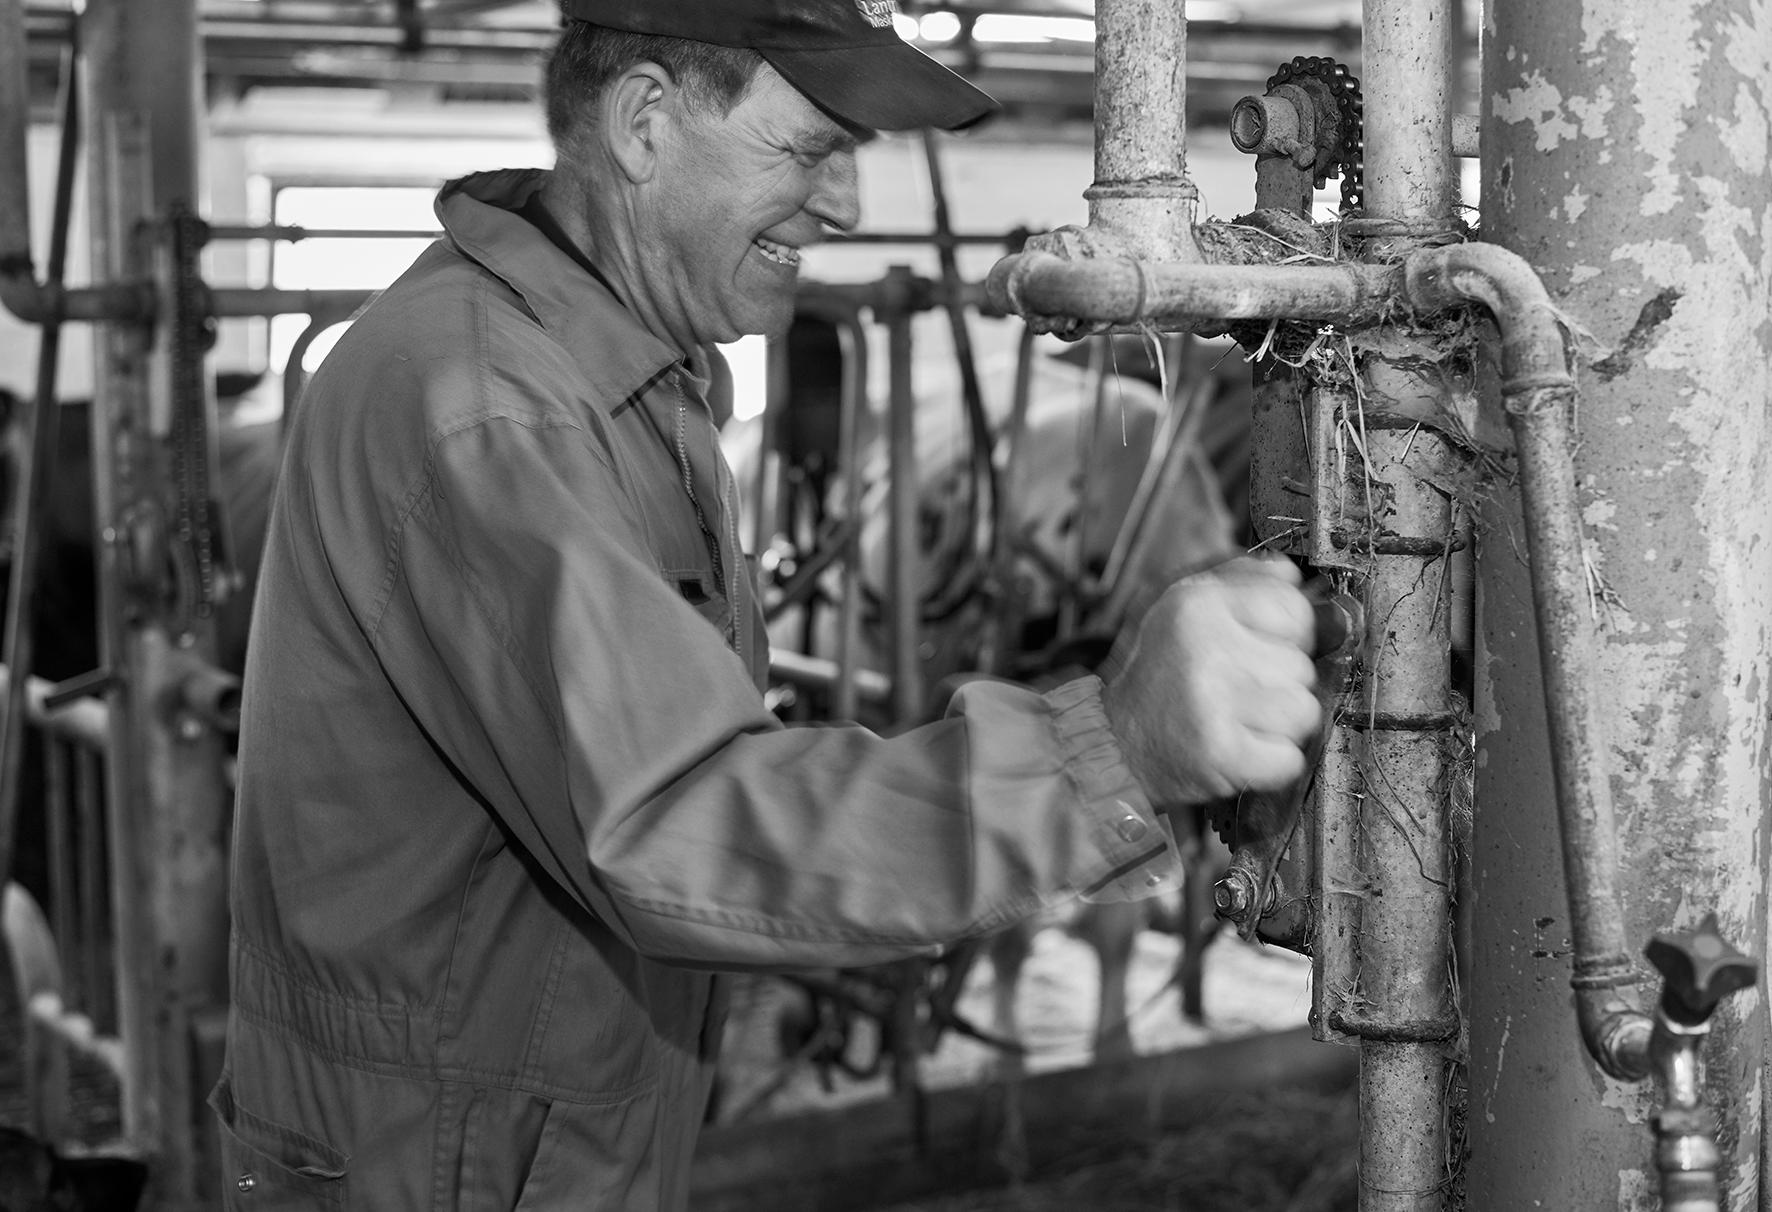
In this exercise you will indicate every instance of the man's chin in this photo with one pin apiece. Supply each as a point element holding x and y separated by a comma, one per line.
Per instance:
<point>772,323</point>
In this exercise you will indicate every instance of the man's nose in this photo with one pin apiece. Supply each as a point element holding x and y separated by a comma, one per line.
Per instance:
<point>836,196</point>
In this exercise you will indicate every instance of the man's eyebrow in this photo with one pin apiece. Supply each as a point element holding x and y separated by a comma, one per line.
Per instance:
<point>827,141</point>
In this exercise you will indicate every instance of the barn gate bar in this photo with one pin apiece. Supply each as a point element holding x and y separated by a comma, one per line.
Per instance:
<point>1415,269</point>
<point>1624,153</point>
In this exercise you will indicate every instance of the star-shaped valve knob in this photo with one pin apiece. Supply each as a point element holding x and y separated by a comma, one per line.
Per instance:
<point>1699,968</point>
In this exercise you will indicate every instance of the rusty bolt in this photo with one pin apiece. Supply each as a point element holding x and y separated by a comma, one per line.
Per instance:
<point>1231,896</point>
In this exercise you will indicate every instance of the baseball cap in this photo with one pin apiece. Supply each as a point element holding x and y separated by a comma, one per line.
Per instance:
<point>843,54</point>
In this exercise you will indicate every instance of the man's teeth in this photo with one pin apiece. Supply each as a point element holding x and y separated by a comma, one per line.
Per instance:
<point>781,254</point>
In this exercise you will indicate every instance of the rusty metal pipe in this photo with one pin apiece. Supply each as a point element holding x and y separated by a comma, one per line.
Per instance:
<point>1539,393</point>
<point>1404,817</point>
<point>1407,88</point>
<point>1141,189</point>
<point>1127,292</point>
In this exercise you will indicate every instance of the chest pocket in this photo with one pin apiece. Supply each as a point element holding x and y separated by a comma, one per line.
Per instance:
<point>684,553</point>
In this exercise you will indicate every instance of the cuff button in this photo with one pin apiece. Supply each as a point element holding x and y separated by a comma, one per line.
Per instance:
<point>246,1183</point>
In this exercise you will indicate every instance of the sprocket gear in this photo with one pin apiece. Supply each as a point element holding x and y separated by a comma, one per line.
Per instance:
<point>1348,155</point>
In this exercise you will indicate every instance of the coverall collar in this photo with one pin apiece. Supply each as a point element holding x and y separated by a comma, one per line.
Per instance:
<point>477,216</point>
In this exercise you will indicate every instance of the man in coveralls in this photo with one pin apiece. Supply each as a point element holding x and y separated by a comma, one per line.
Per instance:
<point>509,795</point>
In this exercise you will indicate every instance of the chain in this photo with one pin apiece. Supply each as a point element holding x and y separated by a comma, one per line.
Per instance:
<point>192,334</point>
<point>1349,153</point>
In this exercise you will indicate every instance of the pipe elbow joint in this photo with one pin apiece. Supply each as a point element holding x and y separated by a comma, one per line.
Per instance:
<point>1618,1038</point>
<point>1532,347</point>
<point>20,292</point>
<point>1003,285</point>
<point>211,695</point>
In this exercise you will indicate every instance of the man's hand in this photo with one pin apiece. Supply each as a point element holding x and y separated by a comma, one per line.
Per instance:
<point>1215,694</point>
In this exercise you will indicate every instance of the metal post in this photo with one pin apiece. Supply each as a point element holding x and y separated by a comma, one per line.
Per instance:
<point>1141,190</point>
<point>1406,1027</point>
<point>904,566</point>
<point>166,794</point>
<point>1407,92</point>
<point>1624,155</point>
<point>854,341</point>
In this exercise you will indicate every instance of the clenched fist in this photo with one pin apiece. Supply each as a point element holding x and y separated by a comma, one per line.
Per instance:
<point>1215,694</point>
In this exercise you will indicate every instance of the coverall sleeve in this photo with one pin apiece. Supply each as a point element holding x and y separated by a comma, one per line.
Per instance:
<point>611,729</point>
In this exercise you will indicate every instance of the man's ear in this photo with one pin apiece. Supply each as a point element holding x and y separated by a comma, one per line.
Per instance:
<point>638,111</point>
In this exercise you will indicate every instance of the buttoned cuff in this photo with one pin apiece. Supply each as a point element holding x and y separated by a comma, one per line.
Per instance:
<point>1134,839</point>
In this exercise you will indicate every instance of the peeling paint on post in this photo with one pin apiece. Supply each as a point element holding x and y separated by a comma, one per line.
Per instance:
<point>1625,154</point>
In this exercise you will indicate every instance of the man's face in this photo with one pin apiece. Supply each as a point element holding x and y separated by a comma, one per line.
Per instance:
<point>734,201</point>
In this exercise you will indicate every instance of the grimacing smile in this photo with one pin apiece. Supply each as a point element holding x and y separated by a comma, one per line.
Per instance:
<point>781,254</point>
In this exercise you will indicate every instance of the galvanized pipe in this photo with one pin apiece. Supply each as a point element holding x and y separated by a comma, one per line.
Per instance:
<point>1539,394</point>
<point>1128,292</point>
<point>1405,930</point>
<point>1141,191</point>
<point>1407,90</point>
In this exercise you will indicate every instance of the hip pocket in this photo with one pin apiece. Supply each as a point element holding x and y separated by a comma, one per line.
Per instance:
<point>270,1167</point>
<point>601,1156</point>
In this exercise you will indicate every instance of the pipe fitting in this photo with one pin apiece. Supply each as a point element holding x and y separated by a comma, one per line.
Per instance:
<point>211,695</point>
<point>1622,1039</point>
<point>1267,126</point>
<point>1687,1158</point>
<point>1532,347</point>
<point>1538,390</point>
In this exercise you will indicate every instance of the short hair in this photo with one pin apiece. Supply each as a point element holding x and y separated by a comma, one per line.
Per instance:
<point>588,57</point>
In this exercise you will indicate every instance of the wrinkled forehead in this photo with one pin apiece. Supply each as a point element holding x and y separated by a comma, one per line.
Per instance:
<point>786,111</point>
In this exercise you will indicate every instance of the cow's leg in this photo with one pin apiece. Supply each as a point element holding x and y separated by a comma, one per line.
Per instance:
<point>1008,953</point>
<point>37,973</point>
<point>1112,930</point>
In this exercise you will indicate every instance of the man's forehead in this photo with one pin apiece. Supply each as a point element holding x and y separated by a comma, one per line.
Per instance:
<point>798,117</point>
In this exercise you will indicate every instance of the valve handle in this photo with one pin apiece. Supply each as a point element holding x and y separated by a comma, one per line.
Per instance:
<point>1699,968</point>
